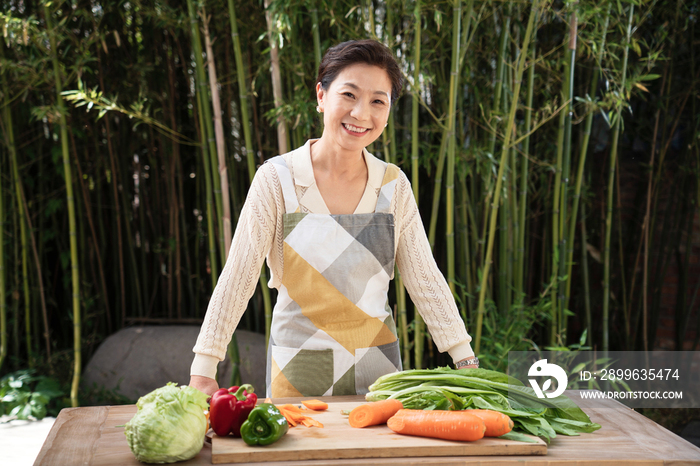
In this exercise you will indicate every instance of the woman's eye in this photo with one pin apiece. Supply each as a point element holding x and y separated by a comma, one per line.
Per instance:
<point>349,94</point>
<point>379,102</point>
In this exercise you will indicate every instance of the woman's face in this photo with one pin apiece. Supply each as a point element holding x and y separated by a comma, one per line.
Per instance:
<point>355,106</point>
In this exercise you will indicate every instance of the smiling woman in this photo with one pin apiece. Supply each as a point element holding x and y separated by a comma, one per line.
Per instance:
<point>355,110</point>
<point>333,220</point>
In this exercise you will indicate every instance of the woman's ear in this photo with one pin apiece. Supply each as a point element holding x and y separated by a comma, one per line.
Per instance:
<point>320,93</point>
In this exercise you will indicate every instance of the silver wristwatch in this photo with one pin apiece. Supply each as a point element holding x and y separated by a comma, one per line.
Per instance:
<point>467,362</point>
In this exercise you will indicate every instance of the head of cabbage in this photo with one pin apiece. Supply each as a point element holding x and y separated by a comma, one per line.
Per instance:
<point>169,425</point>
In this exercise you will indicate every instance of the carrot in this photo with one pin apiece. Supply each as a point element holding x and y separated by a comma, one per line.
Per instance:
<point>296,416</point>
<point>372,414</point>
<point>497,424</point>
<point>309,422</point>
<point>292,408</point>
<point>448,425</point>
<point>316,405</point>
<point>293,417</point>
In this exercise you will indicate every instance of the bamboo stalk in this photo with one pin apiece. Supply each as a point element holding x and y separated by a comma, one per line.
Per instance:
<point>524,166</point>
<point>564,246</point>
<point>315,32</point>
<point>207,128</point>
<point>582,157</point>
<point>611,180</point>
<point>586,282</point>
<point>451,137</point>
<point>174,211</point>
<point>205,120</point>
<point>498,83</point>
<point>23,245</point>
<point>468,288</point>
<point>510,126</point>
<point>419,323</point>
<point>22,214</point>
<point>282,146</point>
<point>208,195</point>
<point>16,274</point>
<point>503,301</point>
<point>415,96</point>
<point>495,110</point>
<point>75,277</point>
<point>220,144</point>
<point>555,312</point>
<point>242,89</point>
<point>7,119</point>
<point>3,298</point>
<point>437,189</point>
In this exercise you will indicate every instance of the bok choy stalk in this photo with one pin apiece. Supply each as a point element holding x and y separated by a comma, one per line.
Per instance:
<point>450,389</point>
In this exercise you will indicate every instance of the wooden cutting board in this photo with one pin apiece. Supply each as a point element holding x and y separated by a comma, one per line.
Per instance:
<point>337,440</point>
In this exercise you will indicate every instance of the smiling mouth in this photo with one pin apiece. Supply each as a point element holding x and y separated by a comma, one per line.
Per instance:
<point>355,129</point>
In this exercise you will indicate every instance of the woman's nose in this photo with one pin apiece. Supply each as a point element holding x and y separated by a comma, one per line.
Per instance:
<point>360,111</point>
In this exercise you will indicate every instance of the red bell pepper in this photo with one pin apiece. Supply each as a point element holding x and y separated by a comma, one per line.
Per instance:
<point>229,409</point>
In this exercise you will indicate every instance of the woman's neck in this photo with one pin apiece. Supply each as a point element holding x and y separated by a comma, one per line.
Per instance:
<point>336,162</point>
<point>341,177</point>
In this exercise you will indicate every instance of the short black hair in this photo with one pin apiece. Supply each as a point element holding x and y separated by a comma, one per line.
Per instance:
<point>365,51</point>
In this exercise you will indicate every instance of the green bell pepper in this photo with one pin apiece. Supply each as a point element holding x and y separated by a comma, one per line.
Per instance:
<point>265,425</point>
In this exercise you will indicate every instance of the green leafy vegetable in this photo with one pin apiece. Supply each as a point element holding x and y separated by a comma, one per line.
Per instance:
<point>26,396</point>
<point>446,388</point>
<point>169,425</point>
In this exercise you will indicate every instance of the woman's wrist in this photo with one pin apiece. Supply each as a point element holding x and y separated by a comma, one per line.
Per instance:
<point>472,362</point>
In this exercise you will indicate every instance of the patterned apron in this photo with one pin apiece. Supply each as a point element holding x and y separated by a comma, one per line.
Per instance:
<point>332,329</point>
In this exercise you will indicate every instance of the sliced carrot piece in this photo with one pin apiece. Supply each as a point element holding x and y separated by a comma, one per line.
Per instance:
<point>316,405</point>
<point>291,408</point>
<point>309,422</point>
<point>296,416</point>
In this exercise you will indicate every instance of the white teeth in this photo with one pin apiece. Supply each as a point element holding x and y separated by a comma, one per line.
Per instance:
<point>355,129</point>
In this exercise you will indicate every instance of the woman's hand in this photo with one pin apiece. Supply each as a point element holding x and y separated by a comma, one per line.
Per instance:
<point>204,384</point>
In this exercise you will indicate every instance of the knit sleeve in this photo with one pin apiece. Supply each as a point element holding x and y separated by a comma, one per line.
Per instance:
<point>425,283</point>
<point>255,233</point>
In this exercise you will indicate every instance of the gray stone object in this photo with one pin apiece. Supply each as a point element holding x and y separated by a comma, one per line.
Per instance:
<point>691,432</point>
<point>137,360</point>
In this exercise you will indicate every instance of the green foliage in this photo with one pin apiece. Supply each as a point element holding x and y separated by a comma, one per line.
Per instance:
<point>26,396</point>
<point>515,330</point>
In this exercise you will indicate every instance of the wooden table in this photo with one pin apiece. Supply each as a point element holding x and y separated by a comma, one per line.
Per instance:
<point>89,436</point>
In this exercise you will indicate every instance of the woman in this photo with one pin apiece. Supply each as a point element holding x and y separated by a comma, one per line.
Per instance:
<point>332,219</point>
